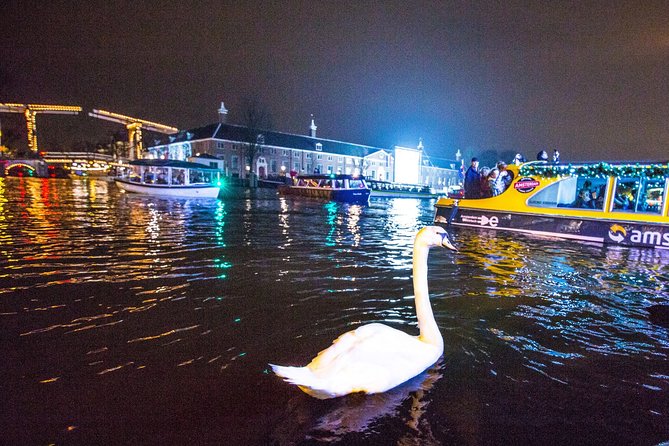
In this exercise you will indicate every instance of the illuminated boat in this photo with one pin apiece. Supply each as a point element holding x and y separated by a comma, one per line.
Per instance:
<point>343,188</point>
<point>621,204</point>
<point>169,178</point>
<point>399,190</point>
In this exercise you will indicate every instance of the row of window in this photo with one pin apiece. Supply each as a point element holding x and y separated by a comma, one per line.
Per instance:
<point>308,155</point>
<point>581,192</point>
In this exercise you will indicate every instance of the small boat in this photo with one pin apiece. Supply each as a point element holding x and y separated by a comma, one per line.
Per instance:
<point>400,190</point>
<point>620,204</point>
<point>343,188</point>
<point>169,178</point>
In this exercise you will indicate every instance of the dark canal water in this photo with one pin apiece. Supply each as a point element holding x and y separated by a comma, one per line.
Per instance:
<point>132,320</point>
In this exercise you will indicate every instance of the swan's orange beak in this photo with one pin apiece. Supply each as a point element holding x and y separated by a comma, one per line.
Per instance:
<point>446,241</point>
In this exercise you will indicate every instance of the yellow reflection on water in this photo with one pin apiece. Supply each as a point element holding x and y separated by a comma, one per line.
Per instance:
<point>504,258</point>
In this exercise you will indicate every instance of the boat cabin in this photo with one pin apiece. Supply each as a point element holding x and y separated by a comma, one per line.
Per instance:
<point>330,181</point>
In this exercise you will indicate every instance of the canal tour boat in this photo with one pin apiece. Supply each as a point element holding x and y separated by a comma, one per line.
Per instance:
<point>620,204</point>
<point>169,178</point>
<point>388,189</point>
<point>342,188</point>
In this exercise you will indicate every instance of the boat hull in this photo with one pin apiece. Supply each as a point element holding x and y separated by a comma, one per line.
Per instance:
<point>359,196</point>
<point>164,190</point>
<point>604,230</point>
<point>399,194</point>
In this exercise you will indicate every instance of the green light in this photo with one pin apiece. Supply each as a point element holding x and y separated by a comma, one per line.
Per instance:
<point>598,170</point>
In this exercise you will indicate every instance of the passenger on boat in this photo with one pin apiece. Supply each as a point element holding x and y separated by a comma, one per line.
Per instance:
<point>599,200</point>
<point>556,157</point>
<point>496,184</point>
<point>585,198</point>
<point>622,199</point>
<point>473,180</point>
<point>505,177</point>
<point>542,156</point>
<point>486,191</point>
<point>519,159</point>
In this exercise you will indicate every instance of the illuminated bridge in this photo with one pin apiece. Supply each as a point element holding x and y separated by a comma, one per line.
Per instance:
<point>79,161</point>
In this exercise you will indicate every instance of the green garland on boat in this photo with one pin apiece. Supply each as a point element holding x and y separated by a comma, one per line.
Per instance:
<point>653,171</point>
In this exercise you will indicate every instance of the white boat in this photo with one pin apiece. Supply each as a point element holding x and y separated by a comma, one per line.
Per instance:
<point>169,178</point>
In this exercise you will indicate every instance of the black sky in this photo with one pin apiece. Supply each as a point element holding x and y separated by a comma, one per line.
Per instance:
<point>588,78</point>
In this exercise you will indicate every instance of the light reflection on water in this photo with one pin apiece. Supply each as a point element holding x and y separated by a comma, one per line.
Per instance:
<point>175,307</point>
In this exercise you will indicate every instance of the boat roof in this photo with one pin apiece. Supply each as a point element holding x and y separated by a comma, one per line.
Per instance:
<point>339,176</point>
<point>602,169</point>
<point>170,163</point>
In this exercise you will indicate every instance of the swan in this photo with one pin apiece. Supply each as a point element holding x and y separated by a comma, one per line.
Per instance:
<point>375,358</point>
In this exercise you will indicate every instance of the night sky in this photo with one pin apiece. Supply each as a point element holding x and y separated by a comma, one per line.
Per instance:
<point>588,78</point>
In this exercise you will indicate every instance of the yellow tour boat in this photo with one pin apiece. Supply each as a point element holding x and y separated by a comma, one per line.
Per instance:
<point>623,204</point>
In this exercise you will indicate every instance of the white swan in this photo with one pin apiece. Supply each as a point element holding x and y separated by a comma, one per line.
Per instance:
<point>375,358</point>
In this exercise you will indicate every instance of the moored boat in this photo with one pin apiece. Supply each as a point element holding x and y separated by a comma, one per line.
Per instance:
<point>169,178</point>
<point>343,188</point>
<point>399,190</point>
<point>623,204</point>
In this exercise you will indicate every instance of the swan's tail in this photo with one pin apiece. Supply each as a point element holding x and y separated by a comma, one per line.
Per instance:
<point>304,379</point>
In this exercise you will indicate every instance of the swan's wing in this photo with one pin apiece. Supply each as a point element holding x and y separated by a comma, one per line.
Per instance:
<point>350,342</point>
<point>373,358</point>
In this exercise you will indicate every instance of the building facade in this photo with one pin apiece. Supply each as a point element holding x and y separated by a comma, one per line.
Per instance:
<point>238,151</point>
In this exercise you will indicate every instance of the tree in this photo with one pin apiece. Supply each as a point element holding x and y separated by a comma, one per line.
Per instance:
<point>256,120</point>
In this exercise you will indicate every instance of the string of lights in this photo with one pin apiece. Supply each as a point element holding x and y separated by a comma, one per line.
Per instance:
<point>599,170</point>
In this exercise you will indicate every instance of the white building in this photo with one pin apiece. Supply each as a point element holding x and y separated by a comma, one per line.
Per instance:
<point>278,154</point>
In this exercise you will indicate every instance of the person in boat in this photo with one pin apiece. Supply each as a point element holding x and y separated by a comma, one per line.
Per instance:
<point>486,191</point>
<point>473,180</point>
<point>556,157</point>
<point>519,159</point>
<point>585,198</point>
<point>542,156</point>
<point>495,182</point>
<point>622,199</point>
<point>505,177</point>
<point>179,179</point>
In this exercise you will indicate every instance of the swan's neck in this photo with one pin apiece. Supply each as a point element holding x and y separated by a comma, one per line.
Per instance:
<point>429,331</point>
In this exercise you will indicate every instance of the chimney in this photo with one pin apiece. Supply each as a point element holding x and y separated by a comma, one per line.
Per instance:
<point>312,128</point>
<point>222,114</point>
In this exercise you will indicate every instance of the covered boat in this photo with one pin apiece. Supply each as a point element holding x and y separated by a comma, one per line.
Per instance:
<point>171,178</point>
<point>623,204</point>
<point>400,190</point>
<point>343,188</point>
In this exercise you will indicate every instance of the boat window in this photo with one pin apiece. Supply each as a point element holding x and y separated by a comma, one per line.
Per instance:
<point>161,177</point>
<point>178,176</point>
<point>639,195</point>
<point>197,176</point>
<point>578,192</point>
<point>359,184</point>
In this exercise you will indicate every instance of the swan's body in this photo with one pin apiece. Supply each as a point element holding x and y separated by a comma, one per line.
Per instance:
<point>375,358</point>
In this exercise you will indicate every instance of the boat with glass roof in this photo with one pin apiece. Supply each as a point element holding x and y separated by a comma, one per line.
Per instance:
<point>614,203</point>
<point>169,178</point>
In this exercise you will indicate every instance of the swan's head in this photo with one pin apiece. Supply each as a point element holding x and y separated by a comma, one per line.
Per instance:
<point>432,236</point>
